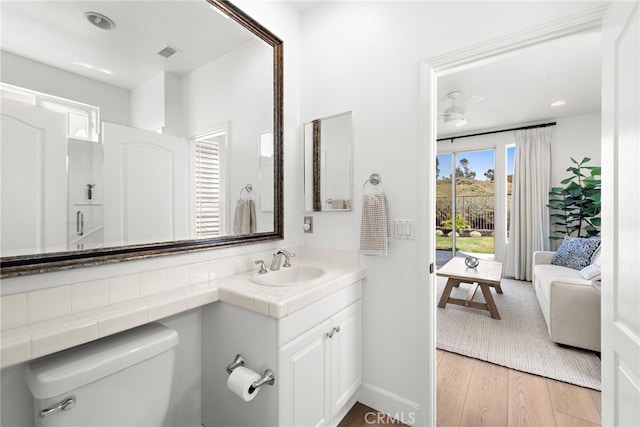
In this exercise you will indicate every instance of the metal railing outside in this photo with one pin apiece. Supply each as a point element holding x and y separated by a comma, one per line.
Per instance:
<point>478,211</point>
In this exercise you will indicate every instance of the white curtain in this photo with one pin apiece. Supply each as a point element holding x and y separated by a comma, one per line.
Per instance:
<point>529,229</point>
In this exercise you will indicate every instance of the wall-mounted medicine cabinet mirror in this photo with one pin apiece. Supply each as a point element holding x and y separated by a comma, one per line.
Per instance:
<point>328,182</point>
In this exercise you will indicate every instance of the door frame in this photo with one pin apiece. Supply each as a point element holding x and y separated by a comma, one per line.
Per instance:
<point>430,70</point>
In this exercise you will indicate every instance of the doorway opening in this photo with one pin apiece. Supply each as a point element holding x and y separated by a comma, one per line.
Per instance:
<point>433,70</point>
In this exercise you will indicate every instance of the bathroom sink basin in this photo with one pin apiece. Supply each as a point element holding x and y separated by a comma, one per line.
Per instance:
<point>292,276</point>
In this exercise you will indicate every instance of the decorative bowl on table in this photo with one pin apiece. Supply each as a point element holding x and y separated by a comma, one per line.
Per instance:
<point>471,261</point>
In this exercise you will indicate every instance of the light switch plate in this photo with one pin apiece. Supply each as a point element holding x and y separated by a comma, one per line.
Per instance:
<point>404,229</point>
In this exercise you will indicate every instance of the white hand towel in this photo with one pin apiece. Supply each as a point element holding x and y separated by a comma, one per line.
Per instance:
<point>244,221</point>
<point>374,229</point>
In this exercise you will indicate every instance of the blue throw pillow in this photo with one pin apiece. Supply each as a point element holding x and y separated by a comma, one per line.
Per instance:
<point>575,252</point>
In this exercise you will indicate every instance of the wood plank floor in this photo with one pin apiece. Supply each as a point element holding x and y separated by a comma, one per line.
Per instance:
<point>472,392</point>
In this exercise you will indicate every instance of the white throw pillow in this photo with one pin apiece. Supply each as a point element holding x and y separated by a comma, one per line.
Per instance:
<point>591,272</point>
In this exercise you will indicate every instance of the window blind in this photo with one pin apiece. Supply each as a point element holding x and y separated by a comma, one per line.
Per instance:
<point>207,169</point>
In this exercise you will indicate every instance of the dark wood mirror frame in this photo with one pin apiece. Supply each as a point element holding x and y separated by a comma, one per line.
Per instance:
<point>40,263</point>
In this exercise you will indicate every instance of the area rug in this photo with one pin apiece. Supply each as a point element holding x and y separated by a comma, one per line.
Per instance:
<point>518,341</point>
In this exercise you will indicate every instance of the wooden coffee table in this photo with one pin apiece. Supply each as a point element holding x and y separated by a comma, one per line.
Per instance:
<point>487,274</point>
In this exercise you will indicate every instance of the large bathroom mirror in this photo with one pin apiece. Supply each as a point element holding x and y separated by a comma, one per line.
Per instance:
<point>327,164</point>
<point>133,129</point>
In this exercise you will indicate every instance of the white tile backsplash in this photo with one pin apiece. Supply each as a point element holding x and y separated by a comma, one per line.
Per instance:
<point>153,282</point>
<point>49,303</point>
<point>221,268</point>
<point>198,273</point>
<point>89,295</point>
<point>124,288</point>
<point>177,277</point>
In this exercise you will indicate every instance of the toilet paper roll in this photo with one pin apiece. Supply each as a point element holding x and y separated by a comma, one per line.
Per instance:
<point>240,383</point>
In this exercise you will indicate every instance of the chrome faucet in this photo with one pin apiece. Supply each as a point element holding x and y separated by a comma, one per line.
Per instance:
<point>277,257</point>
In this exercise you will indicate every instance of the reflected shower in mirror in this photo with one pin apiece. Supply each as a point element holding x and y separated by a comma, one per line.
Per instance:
<point>139,133</point>
<point>327,164</point>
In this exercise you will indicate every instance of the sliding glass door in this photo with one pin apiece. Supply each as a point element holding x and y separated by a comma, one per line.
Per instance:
<point>473,179</point>
<point>466,185</point>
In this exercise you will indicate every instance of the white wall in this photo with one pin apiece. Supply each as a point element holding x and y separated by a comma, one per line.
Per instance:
<point>173,109</point>
<point>156,104</point>
<point>23,72</point>
<point>148,104</point>
<point>364,57</point>
<point>576,137</point>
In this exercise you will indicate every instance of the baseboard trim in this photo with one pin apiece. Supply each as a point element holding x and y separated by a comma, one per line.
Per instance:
<point>343,412</point>
<point>404,410</point>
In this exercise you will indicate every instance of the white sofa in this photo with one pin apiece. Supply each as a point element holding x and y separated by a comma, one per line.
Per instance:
<point>570,304</point>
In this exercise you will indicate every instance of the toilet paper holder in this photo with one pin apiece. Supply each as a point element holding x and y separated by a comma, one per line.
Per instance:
<point>267,378</point>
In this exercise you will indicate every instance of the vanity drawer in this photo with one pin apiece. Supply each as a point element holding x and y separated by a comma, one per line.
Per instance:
<point>295,324</point>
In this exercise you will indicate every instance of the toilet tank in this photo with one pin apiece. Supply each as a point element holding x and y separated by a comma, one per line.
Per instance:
<point>121,380</point>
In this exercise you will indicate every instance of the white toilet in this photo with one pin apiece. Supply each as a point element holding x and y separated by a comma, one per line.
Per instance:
<point>121,380</point>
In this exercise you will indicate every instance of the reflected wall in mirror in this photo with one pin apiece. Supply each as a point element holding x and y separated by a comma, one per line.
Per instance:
<point>266,171</point>
<point>138,138</point>
<point>327,164</point>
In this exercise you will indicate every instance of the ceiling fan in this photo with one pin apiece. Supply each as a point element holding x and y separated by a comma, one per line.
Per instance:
<point>454,115</point>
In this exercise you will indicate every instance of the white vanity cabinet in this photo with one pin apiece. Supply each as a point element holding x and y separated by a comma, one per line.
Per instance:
<point>320,370</point>
<point>315,352</point>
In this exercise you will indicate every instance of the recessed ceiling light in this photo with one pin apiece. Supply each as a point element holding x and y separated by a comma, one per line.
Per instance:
<point>558,103</point>
<point>100,21</point>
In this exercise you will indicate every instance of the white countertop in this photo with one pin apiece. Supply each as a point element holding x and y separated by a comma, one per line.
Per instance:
<point>39,339</point>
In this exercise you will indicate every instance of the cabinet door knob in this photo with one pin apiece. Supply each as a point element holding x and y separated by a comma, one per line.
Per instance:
<point>337,329</point>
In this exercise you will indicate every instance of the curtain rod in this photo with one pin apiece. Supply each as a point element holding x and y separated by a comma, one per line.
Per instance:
<point>542,125</point>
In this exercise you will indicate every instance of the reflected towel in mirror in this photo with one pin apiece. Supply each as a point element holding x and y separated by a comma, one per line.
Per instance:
<point>374,229</point>
<point>244,220</point>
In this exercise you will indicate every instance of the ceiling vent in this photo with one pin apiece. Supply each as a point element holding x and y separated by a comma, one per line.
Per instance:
<point>167,51</point>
